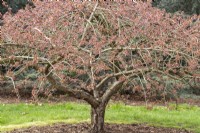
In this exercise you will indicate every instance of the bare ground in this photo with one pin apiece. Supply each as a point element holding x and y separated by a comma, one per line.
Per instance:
<point>109,128</point>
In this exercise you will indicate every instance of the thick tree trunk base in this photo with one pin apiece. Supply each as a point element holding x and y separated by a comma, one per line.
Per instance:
<point>97,119</point>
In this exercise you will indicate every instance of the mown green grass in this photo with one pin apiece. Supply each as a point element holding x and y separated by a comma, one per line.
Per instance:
<point>23,115</point>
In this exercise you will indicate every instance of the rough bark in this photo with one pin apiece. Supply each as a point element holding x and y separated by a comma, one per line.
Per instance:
<point>98,112</point>
<point>97,118</point>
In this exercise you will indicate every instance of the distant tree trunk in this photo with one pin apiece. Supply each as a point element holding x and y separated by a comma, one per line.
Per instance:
<point>97,118</point>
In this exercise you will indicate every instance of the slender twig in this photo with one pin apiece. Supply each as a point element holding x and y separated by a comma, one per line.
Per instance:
<point>150,48</point>
<point>16,90</point>
<point>89,20</point>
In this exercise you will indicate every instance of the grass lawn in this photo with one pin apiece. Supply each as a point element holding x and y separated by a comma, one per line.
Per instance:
<point>23,115</point>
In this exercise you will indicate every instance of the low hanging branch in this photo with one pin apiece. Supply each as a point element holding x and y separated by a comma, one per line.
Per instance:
<point>75,92</point>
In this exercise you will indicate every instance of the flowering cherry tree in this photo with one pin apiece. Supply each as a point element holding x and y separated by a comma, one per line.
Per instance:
<point>91,50</point>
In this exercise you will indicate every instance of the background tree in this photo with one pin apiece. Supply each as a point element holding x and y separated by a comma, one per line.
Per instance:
<point>14,5</point>
<point>187,6</point>
<point>90,50</point>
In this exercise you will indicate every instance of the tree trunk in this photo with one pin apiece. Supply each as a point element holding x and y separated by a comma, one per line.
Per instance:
<point>97,118</point>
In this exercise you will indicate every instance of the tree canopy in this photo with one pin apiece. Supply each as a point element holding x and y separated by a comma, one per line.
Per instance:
<point>91,50</point>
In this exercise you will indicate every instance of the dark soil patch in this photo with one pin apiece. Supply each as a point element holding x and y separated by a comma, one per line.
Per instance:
<point>109,128</point>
